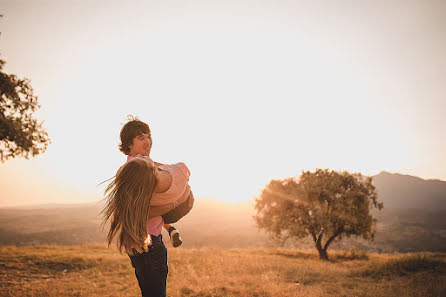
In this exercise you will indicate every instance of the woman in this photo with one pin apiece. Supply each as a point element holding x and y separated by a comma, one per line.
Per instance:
<point>136,140</point>
<point>129,196</point>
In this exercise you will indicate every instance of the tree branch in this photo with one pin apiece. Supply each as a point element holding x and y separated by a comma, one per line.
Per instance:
<point>337,233</point>
<point>314,237</point>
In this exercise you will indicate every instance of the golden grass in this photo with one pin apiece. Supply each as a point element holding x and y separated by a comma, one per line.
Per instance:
<point>94,270</point>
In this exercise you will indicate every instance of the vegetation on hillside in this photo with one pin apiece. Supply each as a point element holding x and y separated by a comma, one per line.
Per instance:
<point>227,226</point>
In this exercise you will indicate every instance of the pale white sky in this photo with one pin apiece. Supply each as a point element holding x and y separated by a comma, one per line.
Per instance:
<point>241,91</point>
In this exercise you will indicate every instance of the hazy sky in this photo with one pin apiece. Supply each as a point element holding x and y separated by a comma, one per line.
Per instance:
<point>241,91</point>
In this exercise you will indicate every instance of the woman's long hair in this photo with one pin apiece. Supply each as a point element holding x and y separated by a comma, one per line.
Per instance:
<point>128,204</point>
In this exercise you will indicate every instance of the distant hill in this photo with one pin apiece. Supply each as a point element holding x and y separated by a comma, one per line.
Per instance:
<point>408,222</point>
<point>52,223</point>
<point>405,191</point>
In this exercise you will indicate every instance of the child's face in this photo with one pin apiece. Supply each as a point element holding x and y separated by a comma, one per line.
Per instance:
<point>142,144</point>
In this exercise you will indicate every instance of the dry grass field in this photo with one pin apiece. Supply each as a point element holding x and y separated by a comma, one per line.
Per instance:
<point>94,270</point>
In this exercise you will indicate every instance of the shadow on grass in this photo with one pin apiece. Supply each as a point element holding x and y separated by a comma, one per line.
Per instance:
<point>294,255</point>
<point>56,264</point>
<point>405,266</point>
<point>69,265</point>
<point>333,257</point>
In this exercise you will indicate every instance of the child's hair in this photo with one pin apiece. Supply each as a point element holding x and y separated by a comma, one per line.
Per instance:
<point>129,131</point>
<point>127,207</point>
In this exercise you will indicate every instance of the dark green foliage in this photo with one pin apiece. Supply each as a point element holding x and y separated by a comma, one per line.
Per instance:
<point>326,205</point>
<point>20,133</point>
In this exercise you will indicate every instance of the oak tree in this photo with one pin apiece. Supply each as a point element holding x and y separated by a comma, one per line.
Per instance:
<point>20,133</point>
<point>326,205</point>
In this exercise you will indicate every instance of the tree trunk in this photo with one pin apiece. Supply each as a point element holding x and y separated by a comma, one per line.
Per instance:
<point>322,252</point>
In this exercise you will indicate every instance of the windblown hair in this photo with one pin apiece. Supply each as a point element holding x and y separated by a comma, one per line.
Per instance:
<point>134,127</point>
<point>127,207</point>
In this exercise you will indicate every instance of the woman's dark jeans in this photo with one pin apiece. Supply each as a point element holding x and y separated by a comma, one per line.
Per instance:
<point>151,268</point>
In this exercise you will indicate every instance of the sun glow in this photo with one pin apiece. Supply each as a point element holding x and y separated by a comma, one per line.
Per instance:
<point>240,100</point>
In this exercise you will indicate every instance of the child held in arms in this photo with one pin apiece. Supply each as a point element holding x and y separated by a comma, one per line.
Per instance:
<point>177,199</point>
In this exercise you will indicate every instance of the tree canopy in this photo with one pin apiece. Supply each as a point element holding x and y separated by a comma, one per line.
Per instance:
<point>20,133</point>
<point>326,205</point>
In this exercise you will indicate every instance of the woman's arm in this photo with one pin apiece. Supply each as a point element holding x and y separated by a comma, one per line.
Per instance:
<point>163,209</point>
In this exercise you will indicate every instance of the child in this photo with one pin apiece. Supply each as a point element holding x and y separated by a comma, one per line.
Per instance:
<point>177,199</point>
<point>136,140</point>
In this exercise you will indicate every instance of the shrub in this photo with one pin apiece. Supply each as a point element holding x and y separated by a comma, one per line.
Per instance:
<point>353,254</point>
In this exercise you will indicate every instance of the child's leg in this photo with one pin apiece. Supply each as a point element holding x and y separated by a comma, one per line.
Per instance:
<point>175,238</point>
